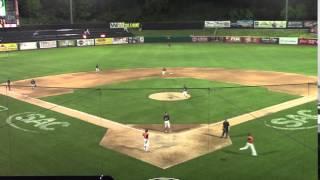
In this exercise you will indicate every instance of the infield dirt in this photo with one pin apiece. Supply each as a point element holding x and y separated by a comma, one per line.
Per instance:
<point>166,150</point>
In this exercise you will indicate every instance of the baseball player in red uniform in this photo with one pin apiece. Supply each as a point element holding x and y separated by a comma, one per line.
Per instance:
<point>145,140</point>
<point>250,145</point>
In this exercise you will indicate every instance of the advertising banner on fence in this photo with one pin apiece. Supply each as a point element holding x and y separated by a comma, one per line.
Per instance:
<point>85,42</point>
<point>103,41</point>
<point>200,39</point>
<point>308,42</point>
<point>251,40</point>
<point>216,39</point>
<point>309,24</point>
<point>47,44</point>
<point>121,40</point>
<point>117,25</point>
<point>232,39</point>
<point>28,45</point>
<point>269,40</point>
<point>270,24</point>
<point>132,25</point>
<point>288,40</point>
<point>295,24</point>
<point>217,24</point>
<point>245,23</point>
<point>66,43</point>
<point>8,47</point>
<point>135,40</point>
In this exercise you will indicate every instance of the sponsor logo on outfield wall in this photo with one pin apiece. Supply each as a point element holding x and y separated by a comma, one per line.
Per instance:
<point>85,42</point>
<point>117,25</point>
<point>8,47</point>
<point>251,40</point>
<point>288,40</point>
<point>242,24</point>
<point>103,41</point>
<point>28,45</point>
<point>295,24</point>
<point>134,40</point>
<point>269,40</point>
<point>34,122</point>
<point>216,39</point>
<point>232,39</point>
<point>270,24</point>
<point>66,43</point>
<point>309,24</point>
<point>200,38</point>
<point>123,25</point>
<point>303,119</point>
<point>121,40</point>
<point>217,24</point>
<point>308,42</point>
<point>47,44</point>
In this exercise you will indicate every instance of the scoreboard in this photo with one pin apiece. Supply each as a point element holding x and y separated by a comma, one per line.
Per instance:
<point>9,13</point>
<point>2,8</point>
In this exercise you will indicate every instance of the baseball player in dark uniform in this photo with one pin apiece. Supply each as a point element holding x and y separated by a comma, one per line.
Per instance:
<point>33,83</point>
<point>225,129</point>
<point>9,84</point>
<point>185,91</point>
<point>166,119</point>
<point>97,68</point>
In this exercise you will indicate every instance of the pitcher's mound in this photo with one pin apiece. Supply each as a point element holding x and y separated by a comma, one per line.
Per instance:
<point>169,96</point>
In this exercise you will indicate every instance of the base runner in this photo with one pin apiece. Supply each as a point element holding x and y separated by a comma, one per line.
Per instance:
<point>250,145</point>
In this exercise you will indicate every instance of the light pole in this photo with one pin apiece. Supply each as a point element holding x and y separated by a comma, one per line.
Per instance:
<point>286,9</point>
<point>71,11</point>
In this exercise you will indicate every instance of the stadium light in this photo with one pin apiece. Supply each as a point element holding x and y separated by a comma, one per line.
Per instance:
<point>286,9</point>
<point>71,11</point>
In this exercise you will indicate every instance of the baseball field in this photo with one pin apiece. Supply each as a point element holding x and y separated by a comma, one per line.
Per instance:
<point>81,122</point>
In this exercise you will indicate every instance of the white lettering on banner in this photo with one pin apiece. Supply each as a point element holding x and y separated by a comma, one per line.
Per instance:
<point>48,44</point>
<point>288,40</point>
<point>34,121</point>
<point>117,25</point>
<point>217,24</point>
<point>302,120</point>
<point>28,45</point>
<point>2,108</point>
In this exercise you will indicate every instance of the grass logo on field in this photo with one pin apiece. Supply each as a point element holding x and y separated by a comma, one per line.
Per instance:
<point>303,119</point>
<point>34,122</point>
<point>2,108</point>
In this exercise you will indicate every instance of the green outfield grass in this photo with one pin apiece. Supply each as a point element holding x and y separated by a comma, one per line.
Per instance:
<point>229,32</point>
<point>28,64</point>
<point>133,106</point>
<point>74,150</point>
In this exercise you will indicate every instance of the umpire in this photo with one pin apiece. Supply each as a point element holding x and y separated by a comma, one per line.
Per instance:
<point>225,129</point>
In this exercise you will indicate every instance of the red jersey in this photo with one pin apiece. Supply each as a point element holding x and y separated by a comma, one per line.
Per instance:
<point>250,139</point>
<point>145,135</point>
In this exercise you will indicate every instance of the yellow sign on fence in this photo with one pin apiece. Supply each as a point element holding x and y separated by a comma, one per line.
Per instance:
<point>8,47</point>
<point>103,41</point>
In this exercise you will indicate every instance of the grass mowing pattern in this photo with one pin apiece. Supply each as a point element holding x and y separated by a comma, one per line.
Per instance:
<point>28,64</point>
<point>75,151</point>
<point>132,106</point>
